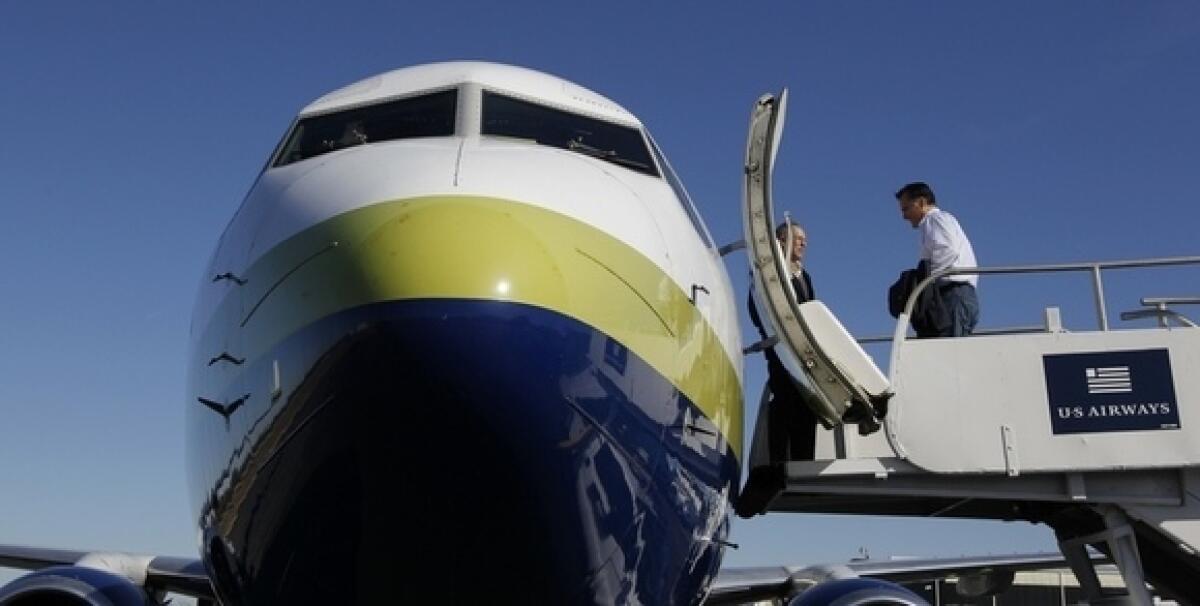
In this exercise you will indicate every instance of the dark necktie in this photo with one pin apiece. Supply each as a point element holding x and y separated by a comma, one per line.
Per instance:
<point>802,293</point>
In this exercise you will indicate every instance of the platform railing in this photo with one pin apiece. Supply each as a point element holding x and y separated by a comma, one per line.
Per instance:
<point>1158,308</point>
<point>1094,268</point>
<point>1008,330</point>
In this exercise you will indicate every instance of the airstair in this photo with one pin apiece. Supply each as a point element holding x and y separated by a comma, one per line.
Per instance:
<point>1095,433</point>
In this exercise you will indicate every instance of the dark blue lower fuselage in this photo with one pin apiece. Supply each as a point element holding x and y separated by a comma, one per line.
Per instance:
<point>459,450</point>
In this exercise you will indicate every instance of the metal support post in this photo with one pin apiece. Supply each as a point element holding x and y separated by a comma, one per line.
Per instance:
<point>1122,544</point>
<point>1098,289</point>
<point>1075,551</point>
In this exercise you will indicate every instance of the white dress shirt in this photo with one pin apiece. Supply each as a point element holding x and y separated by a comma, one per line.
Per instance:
<point>945,245</point>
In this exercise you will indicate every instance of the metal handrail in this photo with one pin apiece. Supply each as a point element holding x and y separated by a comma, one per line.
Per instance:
<point>1162,315</point>
<point>1159,309</point>
<point>1010,330</point>
<point>1162,301</point>
<point>1094,267</point>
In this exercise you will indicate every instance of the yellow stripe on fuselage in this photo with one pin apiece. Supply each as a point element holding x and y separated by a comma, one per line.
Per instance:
<point>467,247</point>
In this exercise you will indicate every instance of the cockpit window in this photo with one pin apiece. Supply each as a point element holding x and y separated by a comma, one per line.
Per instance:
<point>684,199</point>
<point>429,115</point>
<point>622,145</point>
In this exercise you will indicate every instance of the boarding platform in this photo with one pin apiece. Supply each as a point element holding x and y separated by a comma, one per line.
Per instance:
<point>1095,432</point>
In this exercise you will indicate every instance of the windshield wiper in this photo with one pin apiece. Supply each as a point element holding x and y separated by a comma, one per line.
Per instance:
<point>604,154</point>
<point>584,148</point>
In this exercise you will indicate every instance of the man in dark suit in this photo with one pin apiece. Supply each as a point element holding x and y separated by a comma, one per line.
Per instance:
<point>792,424</point>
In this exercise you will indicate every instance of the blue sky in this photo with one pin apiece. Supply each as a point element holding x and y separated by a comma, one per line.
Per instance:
<point>1055,132</point>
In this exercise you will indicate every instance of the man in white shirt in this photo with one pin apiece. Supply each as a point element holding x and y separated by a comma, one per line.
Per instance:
<point>943,244</point>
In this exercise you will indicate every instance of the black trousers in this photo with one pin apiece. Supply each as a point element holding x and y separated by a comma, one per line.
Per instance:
<point>792,434</point>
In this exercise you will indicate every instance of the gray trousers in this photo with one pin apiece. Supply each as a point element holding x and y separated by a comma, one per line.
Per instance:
<point>963,305</point>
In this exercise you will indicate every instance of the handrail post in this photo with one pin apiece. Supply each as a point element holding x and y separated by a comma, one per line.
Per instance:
<point>1098,290</point>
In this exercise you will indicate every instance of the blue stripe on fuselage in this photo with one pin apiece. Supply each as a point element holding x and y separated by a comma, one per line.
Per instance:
<point>464,449</point>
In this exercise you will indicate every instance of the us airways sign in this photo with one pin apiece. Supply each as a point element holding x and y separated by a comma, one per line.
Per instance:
<point>1111,391</point>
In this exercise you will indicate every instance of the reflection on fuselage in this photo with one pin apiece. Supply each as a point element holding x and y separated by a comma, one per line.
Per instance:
<point>426,467</point>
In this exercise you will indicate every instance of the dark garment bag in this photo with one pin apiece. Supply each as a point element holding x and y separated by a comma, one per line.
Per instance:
<point>930,316</point>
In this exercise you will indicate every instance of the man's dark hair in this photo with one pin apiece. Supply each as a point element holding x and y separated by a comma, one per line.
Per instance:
<point>917,189</point>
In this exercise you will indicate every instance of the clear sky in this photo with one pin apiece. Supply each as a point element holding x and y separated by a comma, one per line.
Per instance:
<point>1054,131</point>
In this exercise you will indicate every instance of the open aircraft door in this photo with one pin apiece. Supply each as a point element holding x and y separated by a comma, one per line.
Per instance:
<point>839,380</point>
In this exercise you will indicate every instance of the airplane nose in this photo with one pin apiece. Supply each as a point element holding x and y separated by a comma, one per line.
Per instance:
<point>481,416</point>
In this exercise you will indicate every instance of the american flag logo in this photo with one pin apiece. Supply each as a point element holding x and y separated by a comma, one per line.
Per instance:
<point>1109,379</point>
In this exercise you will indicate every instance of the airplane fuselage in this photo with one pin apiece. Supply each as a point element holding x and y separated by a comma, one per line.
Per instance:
<point>437,354</point>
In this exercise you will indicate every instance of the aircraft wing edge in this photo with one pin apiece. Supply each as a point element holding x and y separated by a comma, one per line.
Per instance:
<point>34,558</point>
<point>185,576</point>
<point>739,585</point>
<point>904,570</point>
